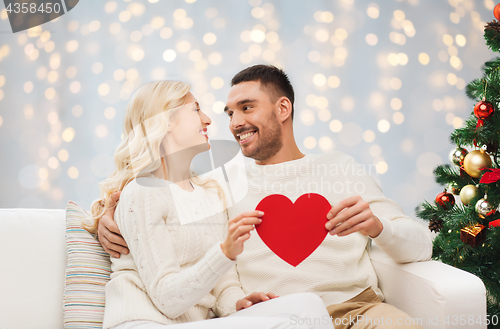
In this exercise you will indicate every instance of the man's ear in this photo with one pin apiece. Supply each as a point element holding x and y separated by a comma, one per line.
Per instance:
<point>284,107</point>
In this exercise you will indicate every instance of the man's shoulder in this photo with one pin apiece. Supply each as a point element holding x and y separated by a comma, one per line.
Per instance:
<point>331,157</point>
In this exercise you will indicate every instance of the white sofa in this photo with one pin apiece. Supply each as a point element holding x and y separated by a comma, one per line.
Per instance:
<point>33,261</point>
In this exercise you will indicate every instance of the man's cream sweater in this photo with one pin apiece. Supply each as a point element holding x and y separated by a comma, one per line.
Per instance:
<point>174,269</point>
<point>340,267</point>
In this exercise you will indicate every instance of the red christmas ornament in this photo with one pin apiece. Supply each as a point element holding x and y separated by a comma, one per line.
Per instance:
<point>496,12</point>
<point>445,200</point>
<point>483,111</point>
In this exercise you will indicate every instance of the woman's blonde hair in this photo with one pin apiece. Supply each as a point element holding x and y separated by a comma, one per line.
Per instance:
<point>138,150</point>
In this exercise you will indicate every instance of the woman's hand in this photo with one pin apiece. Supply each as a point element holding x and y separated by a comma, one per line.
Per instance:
<point>254,298</point>
<point>239,229</point>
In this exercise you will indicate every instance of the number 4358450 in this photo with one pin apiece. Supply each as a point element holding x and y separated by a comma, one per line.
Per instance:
<point>470,320</point>
<point>24,8</point>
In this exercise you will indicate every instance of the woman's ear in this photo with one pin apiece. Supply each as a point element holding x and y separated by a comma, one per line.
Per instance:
<point>171,124</point>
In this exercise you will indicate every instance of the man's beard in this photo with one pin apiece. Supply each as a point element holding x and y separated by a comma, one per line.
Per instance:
<point>269,143</point>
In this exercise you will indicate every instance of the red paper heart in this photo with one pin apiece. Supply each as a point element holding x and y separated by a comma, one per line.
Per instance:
<point>293,230</point>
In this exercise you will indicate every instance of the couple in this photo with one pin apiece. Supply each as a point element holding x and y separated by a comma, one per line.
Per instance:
<point>176,272</point>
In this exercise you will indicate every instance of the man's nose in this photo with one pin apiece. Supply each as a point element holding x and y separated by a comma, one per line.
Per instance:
<point>237,120</point>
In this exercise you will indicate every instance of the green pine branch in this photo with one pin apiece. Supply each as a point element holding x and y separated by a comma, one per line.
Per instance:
<point>475,89</point>
<point>446,174</point>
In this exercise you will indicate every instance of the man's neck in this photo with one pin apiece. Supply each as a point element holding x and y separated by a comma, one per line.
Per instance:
<point>283,155</point>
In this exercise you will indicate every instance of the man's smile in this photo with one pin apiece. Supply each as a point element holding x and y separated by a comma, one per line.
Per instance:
<point>245,137</point>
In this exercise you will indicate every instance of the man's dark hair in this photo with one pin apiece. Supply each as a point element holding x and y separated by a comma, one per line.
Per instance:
<point>272,79</point>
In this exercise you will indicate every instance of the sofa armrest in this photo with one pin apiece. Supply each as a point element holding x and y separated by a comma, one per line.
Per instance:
<point>439,294</point>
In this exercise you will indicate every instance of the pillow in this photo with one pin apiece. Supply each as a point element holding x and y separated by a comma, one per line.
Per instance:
<point>88,269</point>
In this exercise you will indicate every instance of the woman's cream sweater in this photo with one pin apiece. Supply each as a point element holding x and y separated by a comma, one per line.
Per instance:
<point>174,269</point>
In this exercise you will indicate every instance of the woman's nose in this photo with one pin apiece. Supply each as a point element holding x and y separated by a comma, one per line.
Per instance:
<point>205,119</point>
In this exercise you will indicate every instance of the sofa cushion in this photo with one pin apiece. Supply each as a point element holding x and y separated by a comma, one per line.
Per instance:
<point>33,255</point>
<point>88,269</point>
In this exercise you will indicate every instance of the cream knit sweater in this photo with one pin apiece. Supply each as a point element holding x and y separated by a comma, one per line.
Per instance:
<point>340,267</point>
<point>174,269</point>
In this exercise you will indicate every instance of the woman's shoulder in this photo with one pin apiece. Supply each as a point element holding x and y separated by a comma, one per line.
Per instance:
<point>145,199</point>
<point>144,188</point>
<point>132,189</point>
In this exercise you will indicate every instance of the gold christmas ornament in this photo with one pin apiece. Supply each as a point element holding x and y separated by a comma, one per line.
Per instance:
<point>468,193</point>
<point>476,160</point>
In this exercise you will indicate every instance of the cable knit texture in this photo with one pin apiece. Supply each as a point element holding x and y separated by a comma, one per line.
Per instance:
<point>340,267</point>
<point>174,272</point>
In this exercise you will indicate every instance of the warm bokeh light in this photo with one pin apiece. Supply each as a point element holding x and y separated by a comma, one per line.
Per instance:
<point>364,74</point>
<point>335,126</point>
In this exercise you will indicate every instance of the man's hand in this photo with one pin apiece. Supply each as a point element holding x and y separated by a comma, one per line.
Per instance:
<point>254,298</point>
<point>353,215</point>
<point>108,232</point>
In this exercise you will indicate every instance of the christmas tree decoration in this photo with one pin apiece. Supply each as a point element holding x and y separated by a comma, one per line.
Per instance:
<point>477,224</point>
<point>475,161</point>
<point>491,176</point>
<point>445,200</point>
<point>496,11</point>
<point>463,173</point>
<point>436,225</point>
<point>468,193</point>
<point>484,208</point>
<point>491,31</point>
<point>483,111</point>
<point>495,223</point>
<point>457,156</point>
<point>453,188</point>
<point>473,235</point>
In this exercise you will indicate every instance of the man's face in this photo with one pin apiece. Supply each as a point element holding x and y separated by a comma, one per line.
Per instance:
<point>253,121</point>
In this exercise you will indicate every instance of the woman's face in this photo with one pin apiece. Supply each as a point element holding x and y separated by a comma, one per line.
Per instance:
<point>189,126</point>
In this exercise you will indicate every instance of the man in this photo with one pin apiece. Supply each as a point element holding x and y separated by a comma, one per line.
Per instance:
<point>260,109</point>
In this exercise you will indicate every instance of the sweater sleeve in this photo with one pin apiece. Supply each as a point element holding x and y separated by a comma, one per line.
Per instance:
<point>140,217</point>
<point>228,290</point>
<point>402,238</point>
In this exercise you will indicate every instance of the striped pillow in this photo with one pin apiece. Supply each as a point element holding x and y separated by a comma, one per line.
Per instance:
<point>88,268</point>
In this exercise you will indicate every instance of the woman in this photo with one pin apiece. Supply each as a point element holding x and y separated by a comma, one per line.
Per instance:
<point>180,265</point>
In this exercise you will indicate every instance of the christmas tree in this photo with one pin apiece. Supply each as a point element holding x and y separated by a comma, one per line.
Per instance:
<point>469,231</point>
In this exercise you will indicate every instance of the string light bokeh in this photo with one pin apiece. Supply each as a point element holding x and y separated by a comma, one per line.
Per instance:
<point>380,80</point>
